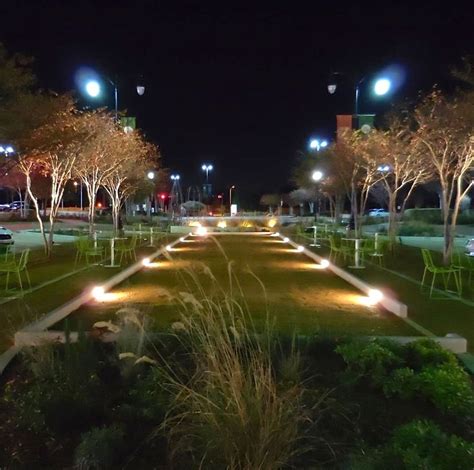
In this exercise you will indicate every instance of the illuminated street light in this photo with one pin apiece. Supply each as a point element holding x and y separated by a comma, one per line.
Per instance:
<point>93,88</point>
<point>6,150</point>
<point>175,177</point>
<point>150,175</point>
<point>207,168</point>
<point>382,86</point>
<point>90,81</point>
<point>316,144</point>
<point>317,175</point>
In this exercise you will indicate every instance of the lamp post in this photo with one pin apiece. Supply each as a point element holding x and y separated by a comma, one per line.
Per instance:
<point>6,150</point>
<point>94,89</point>
<point>316,144</point>
<point>76,184</point>
<point>207,168</point>
<point>151,176</point>
<point>381,87</point>
<point>230,198</point>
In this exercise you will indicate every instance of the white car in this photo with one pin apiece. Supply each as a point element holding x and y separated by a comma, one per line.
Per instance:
<point>6,237</point>
<point>378,213</point>
<point>470,247</point>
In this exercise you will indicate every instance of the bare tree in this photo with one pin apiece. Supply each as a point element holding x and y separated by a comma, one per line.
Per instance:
<point>97,159</point>
<point>52,150</point>
<point>401,168</point>
<point>270,200</point>
<point>133,157</point>
<point>446,135</point>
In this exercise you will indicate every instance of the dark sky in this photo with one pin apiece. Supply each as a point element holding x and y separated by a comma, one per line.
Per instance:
<point>240,85</point>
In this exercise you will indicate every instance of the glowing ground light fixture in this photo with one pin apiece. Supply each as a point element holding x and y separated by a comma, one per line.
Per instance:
<point>201,231</point>
<point>324,263</point>
<point>375,296</point>
<point>146,262</point>
<point>300,248</point>
<point>98,292</point>
<point>182,239</point>
<point>286,240</point>
<point>169,248</point>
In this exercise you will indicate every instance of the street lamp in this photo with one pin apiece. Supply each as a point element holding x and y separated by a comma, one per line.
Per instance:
<point>317,175</point>
<point>316,144</point>
<point>87,79</point>
<point>6,150</point>
<point>381,87</point>
<point>207,168</point>
<point>230,195</point>
<point>76,184</point>
<point>175,177</point>
<point>150,175</point>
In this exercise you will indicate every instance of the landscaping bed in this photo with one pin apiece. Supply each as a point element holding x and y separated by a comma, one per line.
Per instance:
<point>212,394</point>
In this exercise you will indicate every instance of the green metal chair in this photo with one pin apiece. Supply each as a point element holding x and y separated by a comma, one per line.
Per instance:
<point>430,267</point>
<point>464,263</point>
<point>337,249</point>
<point>12,266</point>
<point>127,249</point>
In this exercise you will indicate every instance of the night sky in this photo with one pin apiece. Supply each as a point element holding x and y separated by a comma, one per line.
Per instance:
<point>240,85</point>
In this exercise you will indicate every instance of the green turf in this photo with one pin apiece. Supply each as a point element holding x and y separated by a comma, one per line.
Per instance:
<point>440,316</point>
<point>17,313</point>
<point>296,295</point>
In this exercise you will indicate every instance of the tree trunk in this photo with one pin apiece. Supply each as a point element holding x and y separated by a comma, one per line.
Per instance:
<point>392,218</point>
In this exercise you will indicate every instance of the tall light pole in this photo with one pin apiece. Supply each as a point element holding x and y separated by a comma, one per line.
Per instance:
<point>230,197</point>
<point>6,149</point>
<point>93,88</point>
<point>151,176</point>
<point>76,184</point>
<point>207,168</point>
<point>381,87</point>
<point>316,144</point>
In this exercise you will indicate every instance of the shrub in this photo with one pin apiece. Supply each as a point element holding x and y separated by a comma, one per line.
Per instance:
<point>426,215</point>
<point>419,228</point>
<point>423,445</point>
<point>449,388</point>
<point>100,448</point>
<point>426,352</point>
<point>401,383</point>
<point>374,360</point>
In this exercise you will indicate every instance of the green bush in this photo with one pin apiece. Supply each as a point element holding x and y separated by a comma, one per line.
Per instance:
<point>426,215</point>
<point>100,448</point>
<point>426,352</point>
<point>423,445</point>
<point>374,359</point>
<point>401,383</point>
<point>466,218</point>
<point>419,228</point>
<point>449,388</point>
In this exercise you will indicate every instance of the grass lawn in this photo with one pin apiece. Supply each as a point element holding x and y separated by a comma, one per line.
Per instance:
<point>275,281</point>
<point>17,313</point>
<point>440,316</point>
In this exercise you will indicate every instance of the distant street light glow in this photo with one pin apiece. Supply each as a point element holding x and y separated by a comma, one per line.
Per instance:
<point>151,175</point>
<point>93,88</point>
<point>317,175</point>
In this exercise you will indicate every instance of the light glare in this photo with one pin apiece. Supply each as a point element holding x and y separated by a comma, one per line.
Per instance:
<point>382,86</point>
<point>300,249</point>
<point>286,239</point>
<point>201,231</point>
<point>98,293</point>
<point>93,88</point>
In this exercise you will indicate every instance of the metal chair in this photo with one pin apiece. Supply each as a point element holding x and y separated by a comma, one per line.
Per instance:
<point>430,267</point>
<point>14,267</point>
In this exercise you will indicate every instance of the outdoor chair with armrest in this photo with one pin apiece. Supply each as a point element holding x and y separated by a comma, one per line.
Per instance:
<point>431,267</point>
<point>13,266</point>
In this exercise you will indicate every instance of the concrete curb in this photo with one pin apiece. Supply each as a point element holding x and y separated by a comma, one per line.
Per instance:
<point>64,310</point>
<point>390,304</point>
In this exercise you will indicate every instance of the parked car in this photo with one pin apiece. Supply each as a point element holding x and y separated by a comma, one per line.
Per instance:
<point>17,205</point>
<point>6,237</point>
<point>378,213</point>
<point>5,208</point>
<point>470,247</point>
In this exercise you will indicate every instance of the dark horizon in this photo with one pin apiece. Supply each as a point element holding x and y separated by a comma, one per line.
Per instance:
<point>242,87</point>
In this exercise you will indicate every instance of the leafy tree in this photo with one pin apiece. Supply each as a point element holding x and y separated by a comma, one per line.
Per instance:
<point>270,200</point>
<point>445,134</point>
